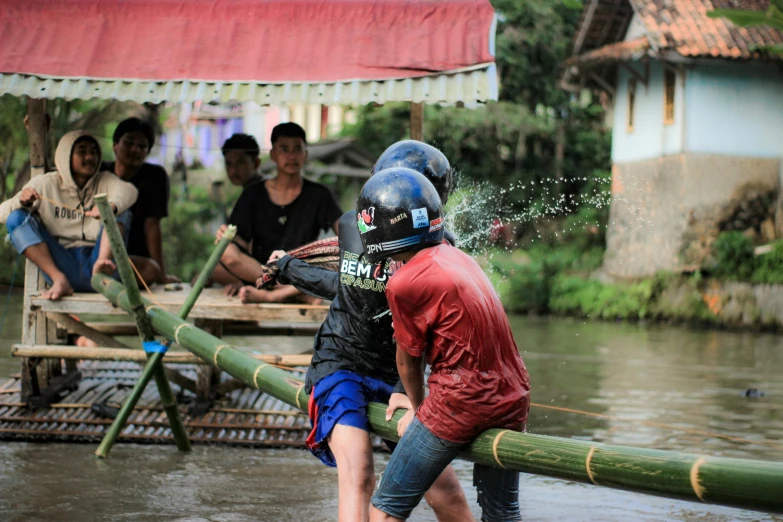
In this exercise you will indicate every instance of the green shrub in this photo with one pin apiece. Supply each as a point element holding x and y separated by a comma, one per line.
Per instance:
<point>187,241</point>
<point>733,252</point>
<point>769,266</point>
<point>576,296</point>
<point>8,261</point>
<point>527,275</point>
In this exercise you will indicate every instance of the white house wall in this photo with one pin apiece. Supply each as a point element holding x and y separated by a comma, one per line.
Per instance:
<point>735,109</point>
<point>650,138</point>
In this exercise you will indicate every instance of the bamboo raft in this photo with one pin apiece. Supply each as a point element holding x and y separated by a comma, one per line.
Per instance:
<point>242,417</point>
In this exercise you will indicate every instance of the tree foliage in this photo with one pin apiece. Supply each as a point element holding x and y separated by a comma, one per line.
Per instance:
<point>772,17</point>
<point>536,136</point>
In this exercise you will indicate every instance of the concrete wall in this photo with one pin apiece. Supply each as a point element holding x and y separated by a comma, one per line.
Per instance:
<point>665,211</point>
<point>734,108</point>
<point>672,184</point>
<point>650,138</point>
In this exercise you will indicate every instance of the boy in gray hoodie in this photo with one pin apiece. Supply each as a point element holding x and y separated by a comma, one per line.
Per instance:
<point>55,224</point>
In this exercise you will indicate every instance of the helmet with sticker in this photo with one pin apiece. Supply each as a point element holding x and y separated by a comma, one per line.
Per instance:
<point>398,210</point>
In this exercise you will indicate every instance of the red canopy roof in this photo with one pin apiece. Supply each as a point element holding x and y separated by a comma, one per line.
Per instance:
<point>244,41</point>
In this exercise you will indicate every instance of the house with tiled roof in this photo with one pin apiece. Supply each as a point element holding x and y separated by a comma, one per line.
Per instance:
<point>697,117</point>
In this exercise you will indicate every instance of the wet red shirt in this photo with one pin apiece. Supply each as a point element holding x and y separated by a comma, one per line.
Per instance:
<point>444,308</point>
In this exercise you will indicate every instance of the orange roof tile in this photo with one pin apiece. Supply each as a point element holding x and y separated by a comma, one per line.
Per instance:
<point>683,26</point>
<point>616,52</point>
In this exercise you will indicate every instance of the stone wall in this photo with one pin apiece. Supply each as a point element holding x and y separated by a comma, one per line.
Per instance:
<point>745,305</point>
<point>666,212</point>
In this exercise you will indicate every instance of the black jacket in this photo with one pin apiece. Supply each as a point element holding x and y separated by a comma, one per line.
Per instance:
<point>357,334</point>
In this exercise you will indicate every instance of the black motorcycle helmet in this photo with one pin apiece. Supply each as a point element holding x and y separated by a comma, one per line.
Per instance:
<point>422,158</point>
<point>398,210</point>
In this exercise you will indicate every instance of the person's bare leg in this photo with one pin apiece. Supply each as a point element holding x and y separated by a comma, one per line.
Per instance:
<point>85,342</point>
<point>147,267</point>
<point>447,499</point>
<point>104,263</point>
<point>41,256</point>
<point>376,515</point>
<point>241,265</point>
<point>352,450</point>
<point>222,276</point>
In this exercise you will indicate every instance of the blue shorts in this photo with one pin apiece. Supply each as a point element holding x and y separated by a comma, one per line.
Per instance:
<point>25,230</point>
<point>341,398</point>
<point>420,457</point>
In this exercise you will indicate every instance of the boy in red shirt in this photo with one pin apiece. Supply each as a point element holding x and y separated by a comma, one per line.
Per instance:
<point>445,311</point>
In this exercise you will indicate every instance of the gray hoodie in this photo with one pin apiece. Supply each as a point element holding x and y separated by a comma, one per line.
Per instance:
<point>70,226</point>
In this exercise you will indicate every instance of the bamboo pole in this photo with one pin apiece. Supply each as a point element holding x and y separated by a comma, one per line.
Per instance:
<point>747,484</point>
<point>103,353</point>
<point>154,367</point>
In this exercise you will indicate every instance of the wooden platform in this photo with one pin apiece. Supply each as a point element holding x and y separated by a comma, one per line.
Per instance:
<point>212,304</point>
<point>244,416</point>
<point>52,324</point>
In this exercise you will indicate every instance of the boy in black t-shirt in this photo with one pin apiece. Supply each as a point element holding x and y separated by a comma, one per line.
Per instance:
<point>133,140</point>
<point>281,213</point>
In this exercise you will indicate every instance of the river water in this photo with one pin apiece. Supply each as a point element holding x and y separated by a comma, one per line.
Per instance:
<point>643,377</point>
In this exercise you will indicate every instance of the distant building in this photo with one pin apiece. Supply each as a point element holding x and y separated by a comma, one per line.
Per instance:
<point>697,116</point>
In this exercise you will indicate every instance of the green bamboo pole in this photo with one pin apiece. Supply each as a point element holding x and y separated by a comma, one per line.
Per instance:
<point>156,360</point>
<point>747,484</point>
<point>154,367</point>
<point>206,272</point>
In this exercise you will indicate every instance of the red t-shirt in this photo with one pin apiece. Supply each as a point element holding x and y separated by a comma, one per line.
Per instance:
<point>444,307</point>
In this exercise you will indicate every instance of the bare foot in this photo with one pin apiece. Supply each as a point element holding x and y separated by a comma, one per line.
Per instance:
<point>248,294</point>
<point>104,266</point>
<point>232,289</point>
<point>86,343</point>
<point>60,288</point>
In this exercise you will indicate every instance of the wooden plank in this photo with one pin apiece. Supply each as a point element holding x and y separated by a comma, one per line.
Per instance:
<point>115,328</point>
<point>123,354</point>
<point>211,305</point>
<point>229,328</point>
<point>417,121</point>
<point>80,328</point>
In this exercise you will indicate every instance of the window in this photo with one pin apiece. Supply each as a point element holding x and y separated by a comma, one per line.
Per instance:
<point>669,85</point>
<point>631,103</point>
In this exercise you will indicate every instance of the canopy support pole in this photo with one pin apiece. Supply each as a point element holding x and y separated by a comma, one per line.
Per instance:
<point>34,324</point>
<point>417,121</point>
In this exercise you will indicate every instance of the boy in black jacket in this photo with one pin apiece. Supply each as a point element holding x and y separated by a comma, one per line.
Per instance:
<point>354,360</point>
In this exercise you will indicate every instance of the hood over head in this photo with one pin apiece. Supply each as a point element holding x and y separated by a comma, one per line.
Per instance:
<point>64,151</point>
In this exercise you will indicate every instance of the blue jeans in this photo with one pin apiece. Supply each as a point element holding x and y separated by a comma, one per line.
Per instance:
<point>420,457</point>
<point>25,230</point>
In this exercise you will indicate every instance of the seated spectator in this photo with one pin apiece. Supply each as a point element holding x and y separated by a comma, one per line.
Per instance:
<point>243,157</point>
<point>53,221</point>
<point>280,213</point>
<point>133,139</point>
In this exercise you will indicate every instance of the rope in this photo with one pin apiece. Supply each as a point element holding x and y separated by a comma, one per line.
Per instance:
<point>772,444</point>
<point>44,198</point>
<point>143,282</point>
